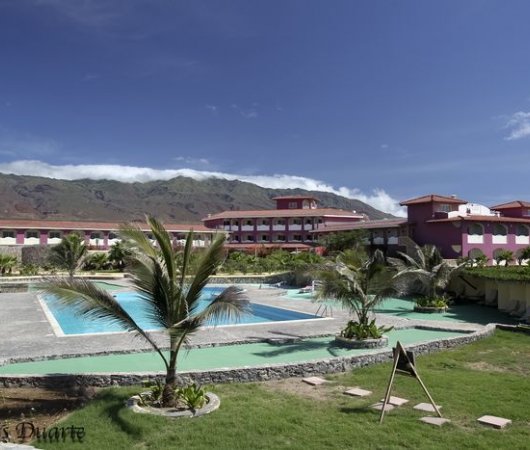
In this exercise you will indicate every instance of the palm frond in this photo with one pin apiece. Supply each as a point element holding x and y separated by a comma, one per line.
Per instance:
<point>94,303</point>
<point>208,264</point>
<point>230,304</point>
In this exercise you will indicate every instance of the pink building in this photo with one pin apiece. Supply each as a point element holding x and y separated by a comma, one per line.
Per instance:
<point>458,228</point>
<point>289,226</point>
<point>98,235</point>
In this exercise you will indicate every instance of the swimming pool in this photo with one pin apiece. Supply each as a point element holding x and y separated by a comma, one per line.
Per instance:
<point>65,321</point>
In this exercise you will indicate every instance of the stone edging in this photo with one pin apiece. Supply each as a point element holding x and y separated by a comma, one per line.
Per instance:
<point>244,374</point>
<point>364,343</point>
<point>213,403</point>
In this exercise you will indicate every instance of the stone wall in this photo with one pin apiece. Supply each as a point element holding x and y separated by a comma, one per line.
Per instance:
<point>243,374</point>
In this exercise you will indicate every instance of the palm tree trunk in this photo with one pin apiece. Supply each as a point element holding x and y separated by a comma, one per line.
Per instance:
<point>168,395</point>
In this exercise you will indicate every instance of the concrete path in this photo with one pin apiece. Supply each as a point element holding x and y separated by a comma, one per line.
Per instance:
<point>26,334</point>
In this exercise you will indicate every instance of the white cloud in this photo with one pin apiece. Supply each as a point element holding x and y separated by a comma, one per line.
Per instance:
<point>247,113</point>
<point>519,126</point>
<point>378,198</point>
<point>191,160</point>
<point>212,108</point>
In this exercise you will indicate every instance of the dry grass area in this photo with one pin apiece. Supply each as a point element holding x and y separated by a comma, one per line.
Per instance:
<point>40,406</point>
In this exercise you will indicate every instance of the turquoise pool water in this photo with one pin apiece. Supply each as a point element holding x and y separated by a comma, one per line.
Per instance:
<point>70,323</point>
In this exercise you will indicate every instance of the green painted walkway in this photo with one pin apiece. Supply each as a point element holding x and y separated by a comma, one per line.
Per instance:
<point>403,308</point>
<point>229,356</point>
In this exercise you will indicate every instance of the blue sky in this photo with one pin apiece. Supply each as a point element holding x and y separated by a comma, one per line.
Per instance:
<point>378,100</point>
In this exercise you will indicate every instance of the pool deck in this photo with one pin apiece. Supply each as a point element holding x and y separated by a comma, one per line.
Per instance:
<point>26,333</point>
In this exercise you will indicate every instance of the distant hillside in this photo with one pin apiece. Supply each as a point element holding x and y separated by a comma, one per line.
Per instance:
<point>180,199</point>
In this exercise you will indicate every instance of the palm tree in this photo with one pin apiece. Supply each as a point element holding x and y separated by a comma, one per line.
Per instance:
<point>7,262</point>
<point>523,254</point>
<point>425,273</point>
<point>359,283</point>
<point>170,292</point>
<point>503,255</point>
<point>118,255</point>
<point>69,254</point>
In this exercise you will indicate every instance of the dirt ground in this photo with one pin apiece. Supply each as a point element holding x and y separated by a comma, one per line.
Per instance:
<point>38,406</point>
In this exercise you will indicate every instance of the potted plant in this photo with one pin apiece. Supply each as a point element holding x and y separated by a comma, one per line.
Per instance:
<point>359,283</point>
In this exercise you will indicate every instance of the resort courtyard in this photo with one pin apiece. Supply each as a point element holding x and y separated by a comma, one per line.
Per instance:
<point>284,412</point>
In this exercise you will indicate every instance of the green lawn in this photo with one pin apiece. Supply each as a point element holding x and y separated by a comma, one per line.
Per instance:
<point>488,377</point>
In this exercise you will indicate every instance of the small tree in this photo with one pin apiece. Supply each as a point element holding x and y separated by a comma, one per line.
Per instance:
<point>344,240</point>
<point>503,255</point>
<point>359,283</point>
<point>96,261</point>
<point>118,255</point>
<point>169,291</point>
<point>7,263</point>
<point>424,273</point>
<point>523,254</point>
<point>69,254</point>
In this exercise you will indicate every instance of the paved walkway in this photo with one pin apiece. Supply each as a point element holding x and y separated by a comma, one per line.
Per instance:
<point>25,332</point>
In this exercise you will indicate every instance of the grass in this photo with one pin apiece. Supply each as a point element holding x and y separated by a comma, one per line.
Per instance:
<point>488,377</point>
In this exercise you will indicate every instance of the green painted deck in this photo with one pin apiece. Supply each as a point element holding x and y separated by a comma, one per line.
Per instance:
<point>403,308</point>
<point>229,356</point>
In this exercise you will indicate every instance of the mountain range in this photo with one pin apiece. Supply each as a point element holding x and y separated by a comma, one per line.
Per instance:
<point>178,200</point>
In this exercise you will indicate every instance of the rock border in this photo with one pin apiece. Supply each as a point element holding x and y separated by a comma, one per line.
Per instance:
<point>361,343</point>
<point>243,374</point>
<point>430,309</point>
<point>213,403</point>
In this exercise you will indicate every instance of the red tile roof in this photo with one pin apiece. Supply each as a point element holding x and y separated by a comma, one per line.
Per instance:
<point>514,204</point>
<point>362,225</point>
<point>88,226</point>
<point>433,198</point>
<point>482,219</point>
<point>285,213</point>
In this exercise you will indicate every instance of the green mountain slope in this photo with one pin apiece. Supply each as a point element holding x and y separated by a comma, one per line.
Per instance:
<point>180,199</point>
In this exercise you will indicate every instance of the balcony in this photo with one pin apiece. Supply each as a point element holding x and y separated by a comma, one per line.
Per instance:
<point>499,239</point>
<point>295,227</point>
<point>247,227</point>
<point>263,227</point>
<point>278,227</point>
<point>523,240</point>
<point>475,239</point>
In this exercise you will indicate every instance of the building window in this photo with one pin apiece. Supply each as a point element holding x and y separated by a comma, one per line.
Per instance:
<point>297,237</point>
<point>475,229</point>
<point>97,235</point>
<point>249,222</point>
<point>522,230</point>
<point>444,207</point>
<point>226,223</point>
<point>264,222</point>
<point>526,212</point>
<point>54,235</point>
<point>264,237</point>
<point>8,234</point>
<point>32,234</point>
<point>280,237</point>
<point>499,230</point>
<point>280,222</point>
<point>293,205</point>
<point>308,221</point>
<point>115,236</point>
<point>250,238</point>
<point>297,221</point>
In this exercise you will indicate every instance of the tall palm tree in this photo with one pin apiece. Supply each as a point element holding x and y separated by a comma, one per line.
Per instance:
<point>424,273</point>
<point>169,291</point>
<point>358,281</point>
<point>69,254</point>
